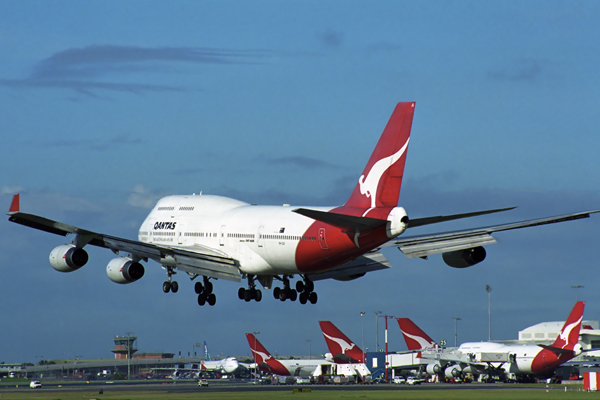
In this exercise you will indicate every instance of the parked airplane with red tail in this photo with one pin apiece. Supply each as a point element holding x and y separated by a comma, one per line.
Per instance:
<point>213,237</point>
<point>497,358</point>
<point>292,367</point>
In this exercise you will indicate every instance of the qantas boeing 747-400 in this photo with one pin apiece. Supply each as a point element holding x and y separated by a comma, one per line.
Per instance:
<point>213,237</point>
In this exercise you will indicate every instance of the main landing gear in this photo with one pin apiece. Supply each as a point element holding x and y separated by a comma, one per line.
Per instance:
<point>306,290</point>
<point>252,293</point>
<point>168,285</point>
<point>204,292</point>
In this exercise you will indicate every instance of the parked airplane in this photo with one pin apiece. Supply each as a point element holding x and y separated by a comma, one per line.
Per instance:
<point>342,349</point>
<point>498,358</point>
<point>216,237</point>
<point>267,363</point>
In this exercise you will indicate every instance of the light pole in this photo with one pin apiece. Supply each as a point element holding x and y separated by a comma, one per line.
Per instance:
<point>576,287</point>
<point>309,340</point>
<point>455,332</point>
<point>386,346</point>
<point>255,362</point>
<point>488,289</point>
<point>362,325</point>
<point>377,330</point>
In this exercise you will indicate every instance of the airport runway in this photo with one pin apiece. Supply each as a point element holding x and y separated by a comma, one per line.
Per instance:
<point>239,386</point>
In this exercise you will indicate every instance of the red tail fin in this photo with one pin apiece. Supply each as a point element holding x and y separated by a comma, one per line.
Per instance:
<point>569,334</point>
<point>261,355</point>
<point>340,346</point>
<point>414,336</point>
<point>379,184</point>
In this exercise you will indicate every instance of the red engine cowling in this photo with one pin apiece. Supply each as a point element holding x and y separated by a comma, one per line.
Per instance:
<point>124,270</point>
<point>68,258</point>
<point>464,258</point>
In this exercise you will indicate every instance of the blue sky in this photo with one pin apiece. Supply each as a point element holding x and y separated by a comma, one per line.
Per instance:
<point>107,106</point>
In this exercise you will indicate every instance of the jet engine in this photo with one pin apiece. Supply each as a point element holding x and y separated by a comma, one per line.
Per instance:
<point>577,350</point>
<point>453,371</point>
<point>124,270</point>
<point>433,369</point>
<point>464,258</point>
<point>68,258</point>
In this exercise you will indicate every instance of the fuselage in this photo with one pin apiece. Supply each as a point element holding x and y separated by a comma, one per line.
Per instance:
<point>266,240</point>
<point>522,359</point>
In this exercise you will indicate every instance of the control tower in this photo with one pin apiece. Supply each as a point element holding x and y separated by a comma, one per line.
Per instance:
<point>124,346</point>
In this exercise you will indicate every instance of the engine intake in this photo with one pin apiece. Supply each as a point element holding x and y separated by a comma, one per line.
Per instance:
<point>464,258</point>
<point>433,369</point>
<point>124,270</point>
<point>68,258</point>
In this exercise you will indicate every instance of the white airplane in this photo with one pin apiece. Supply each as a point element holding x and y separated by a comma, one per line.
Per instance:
<point>497,358</point>
<point>222,238</point>
<point>267,363</point>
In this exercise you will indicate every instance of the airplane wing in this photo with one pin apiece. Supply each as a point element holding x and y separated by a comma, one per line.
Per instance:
<point>422,246</point>
<point>200,260</point>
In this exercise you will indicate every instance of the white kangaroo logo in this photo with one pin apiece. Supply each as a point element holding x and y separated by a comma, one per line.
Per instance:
<point>368,185</point>
<point>341,342</point>
<point>564,334</point>
<point>264,357</point>
<point>424,343</point>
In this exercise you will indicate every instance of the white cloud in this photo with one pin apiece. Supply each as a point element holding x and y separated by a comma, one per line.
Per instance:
<point>142,197</point>
<point>10,189</point>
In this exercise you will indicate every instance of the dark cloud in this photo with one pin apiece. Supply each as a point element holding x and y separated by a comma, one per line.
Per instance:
<point>522,71</point>
<point>331,38</point>
<point>82,69</point>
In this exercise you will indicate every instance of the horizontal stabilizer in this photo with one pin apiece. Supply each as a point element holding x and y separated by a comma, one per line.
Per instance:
<point>556,350</point>
<point>343,221</point>
<point>413,223</point>
<point>361,265</point>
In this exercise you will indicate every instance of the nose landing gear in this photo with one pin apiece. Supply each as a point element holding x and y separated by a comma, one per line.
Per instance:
<point>169,285</point>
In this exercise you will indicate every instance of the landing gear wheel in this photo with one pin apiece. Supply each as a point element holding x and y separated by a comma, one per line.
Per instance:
<point>208,287</point>
<point>201,299</point>
<point>276,292</point>
<point>212,299</point>
<point>282,295</point>
<point>303,297</point>
<point>241,293</point>
<point>166,286</point>
<point>309,286</point>
<point>258,295</point>
<point>312,297</point>
<point>198,288</point>
<point>248,295</point>
<point>174,287</point>
<point>293,295</point>
<point>300,286</point>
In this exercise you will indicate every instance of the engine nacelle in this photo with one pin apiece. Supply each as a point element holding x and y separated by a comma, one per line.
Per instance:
<point>68,258</point>
<point>398,221</point>
<point>453,371</point>
<point>124,270</point>
<point>433,369</point>
<point>577,350</point>
<point>464,258</point>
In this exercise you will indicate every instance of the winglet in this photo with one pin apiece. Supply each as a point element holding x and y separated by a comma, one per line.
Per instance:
<point>15,205</point>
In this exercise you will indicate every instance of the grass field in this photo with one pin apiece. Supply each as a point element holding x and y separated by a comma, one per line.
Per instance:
<point>315,394</point>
